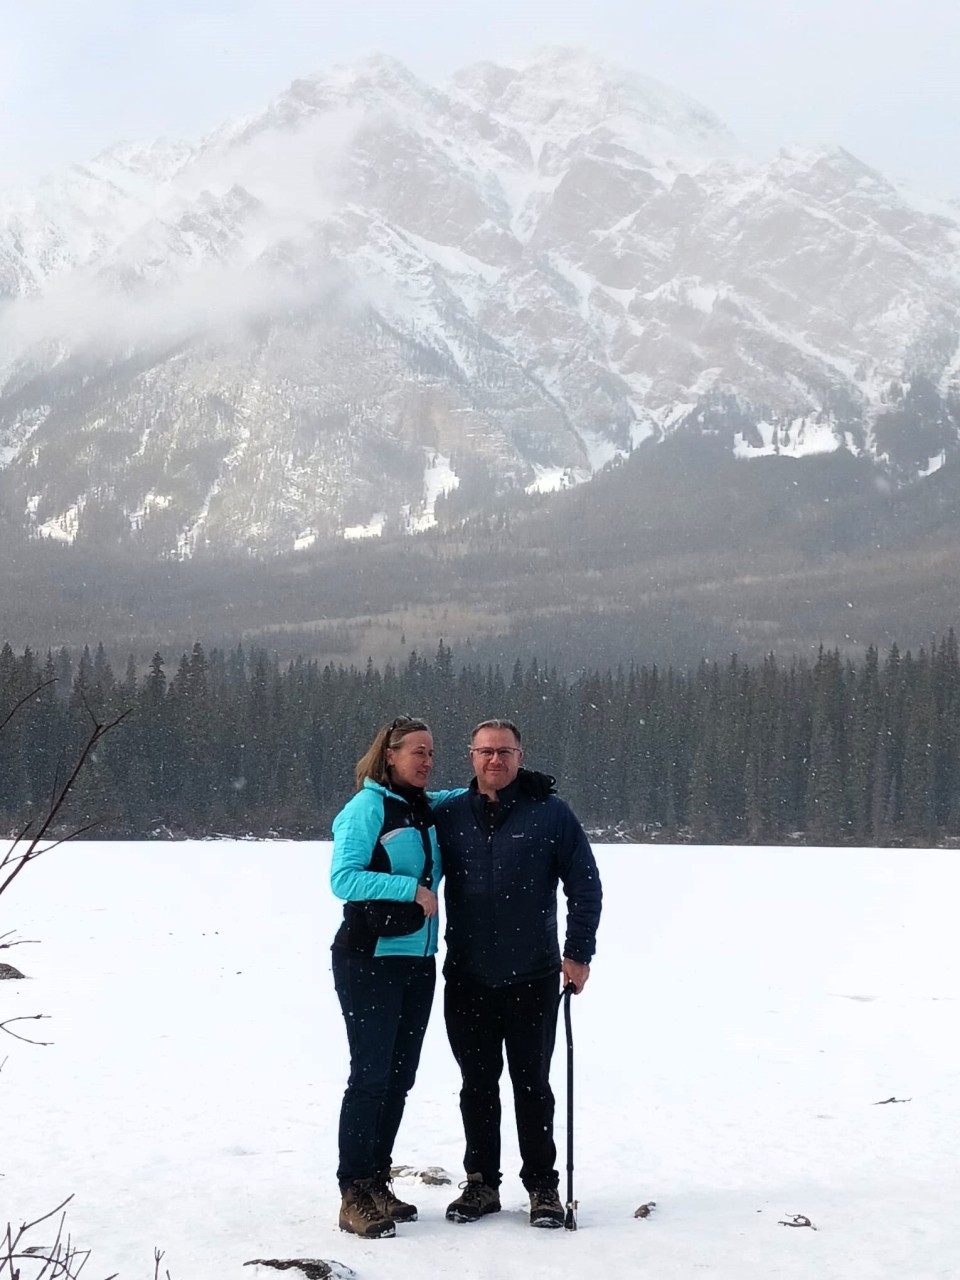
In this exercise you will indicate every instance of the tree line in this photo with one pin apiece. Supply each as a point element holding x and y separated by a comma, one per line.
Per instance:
<point>827,751</point>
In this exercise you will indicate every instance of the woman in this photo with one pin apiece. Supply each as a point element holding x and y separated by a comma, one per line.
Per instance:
<point>386,867</point>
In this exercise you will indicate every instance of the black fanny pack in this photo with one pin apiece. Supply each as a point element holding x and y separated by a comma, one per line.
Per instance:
<point>391,919</point>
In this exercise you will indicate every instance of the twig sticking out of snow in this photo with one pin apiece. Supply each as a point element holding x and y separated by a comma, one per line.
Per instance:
<point>797,1220</point>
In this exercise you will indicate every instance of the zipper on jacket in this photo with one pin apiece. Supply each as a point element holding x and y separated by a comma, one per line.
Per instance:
<point>426,879</point>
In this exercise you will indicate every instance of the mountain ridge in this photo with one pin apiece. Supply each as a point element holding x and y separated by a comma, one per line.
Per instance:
<point>323,317</point>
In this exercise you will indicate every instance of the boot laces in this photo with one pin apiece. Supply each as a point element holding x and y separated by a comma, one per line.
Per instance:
<point>364,1200</point>
<point>545,1198</point>
<point>473,1191</point>
<point>387,1193</point>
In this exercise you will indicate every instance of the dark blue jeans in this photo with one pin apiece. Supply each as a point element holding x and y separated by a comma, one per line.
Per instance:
<point>386,1005</point>
<point>482,1022</point>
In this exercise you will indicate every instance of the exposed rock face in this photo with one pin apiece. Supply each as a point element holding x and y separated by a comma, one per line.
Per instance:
<point>318,320</point>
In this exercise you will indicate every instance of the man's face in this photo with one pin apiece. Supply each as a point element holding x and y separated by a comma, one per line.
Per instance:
<point>496,756</point>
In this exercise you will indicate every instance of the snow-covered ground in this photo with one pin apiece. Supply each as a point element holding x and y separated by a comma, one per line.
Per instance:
<point>748,1013</point>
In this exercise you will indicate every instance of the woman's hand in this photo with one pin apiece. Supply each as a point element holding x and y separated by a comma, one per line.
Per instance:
<point>427,899</point>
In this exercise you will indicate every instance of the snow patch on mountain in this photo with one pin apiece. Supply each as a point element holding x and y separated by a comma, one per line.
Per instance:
<point>552,479</point>
<point>796,439</point>
<point>63,527</point>
<point>439,478</point>
<point>372,529</point>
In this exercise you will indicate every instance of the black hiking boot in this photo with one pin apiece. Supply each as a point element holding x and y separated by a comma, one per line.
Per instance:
<point>476,1199</point>
<point>360,1215</point>
<point>545,1207</point>
<point>390,1205</point>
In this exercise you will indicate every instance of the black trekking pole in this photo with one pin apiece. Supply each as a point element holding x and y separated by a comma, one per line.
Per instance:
<point>570,1217</point>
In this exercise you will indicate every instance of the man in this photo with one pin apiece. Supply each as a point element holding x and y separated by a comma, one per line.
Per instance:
<point>507,843</point>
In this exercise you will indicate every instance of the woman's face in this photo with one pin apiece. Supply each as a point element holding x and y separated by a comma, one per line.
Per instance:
<point>409,764</point>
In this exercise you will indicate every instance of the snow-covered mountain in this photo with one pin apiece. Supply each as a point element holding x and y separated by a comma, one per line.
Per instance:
<point>319,319</point>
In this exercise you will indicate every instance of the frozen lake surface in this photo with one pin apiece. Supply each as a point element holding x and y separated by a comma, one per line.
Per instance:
<point>748,1013</point>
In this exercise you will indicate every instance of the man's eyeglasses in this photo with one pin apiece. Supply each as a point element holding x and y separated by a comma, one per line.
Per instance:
<point>487,753</point>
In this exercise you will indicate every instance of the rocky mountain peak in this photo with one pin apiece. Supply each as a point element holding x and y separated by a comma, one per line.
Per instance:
<point>379,300</point>
<point>563,94</point>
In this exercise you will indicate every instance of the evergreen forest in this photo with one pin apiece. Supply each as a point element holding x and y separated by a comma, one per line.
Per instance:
<point>829,751</point>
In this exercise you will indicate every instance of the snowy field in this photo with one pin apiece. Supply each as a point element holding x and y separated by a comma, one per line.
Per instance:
<point>748,1011</point>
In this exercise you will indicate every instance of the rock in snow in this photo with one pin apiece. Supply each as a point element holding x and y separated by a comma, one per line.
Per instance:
<point>310,1268</point>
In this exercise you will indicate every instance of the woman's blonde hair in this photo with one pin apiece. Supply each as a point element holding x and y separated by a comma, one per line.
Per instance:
<point>373,763</point>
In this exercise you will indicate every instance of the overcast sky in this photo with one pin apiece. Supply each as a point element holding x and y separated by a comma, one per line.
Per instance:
<point>877,76</point>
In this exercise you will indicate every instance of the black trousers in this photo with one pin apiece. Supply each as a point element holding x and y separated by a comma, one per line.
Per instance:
<point>482,1022</point>
<point>386,1005</point>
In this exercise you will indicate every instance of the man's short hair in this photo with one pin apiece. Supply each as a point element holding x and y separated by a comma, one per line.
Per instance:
<point>497,724</point>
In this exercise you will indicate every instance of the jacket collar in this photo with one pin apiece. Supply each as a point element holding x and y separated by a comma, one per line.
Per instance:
<point>410,795</point>
<point>506,796</point>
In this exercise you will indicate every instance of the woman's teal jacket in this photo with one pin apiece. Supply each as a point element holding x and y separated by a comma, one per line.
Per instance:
<point>379,851</point>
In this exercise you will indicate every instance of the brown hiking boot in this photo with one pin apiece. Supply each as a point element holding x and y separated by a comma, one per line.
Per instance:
<point>390,1205</point>
<point>476,1199</point>
<point>360,1215</point>
<point>545,1207</point>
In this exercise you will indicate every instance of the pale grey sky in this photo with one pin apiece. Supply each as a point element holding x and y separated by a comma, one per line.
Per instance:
<point>876,76</point>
